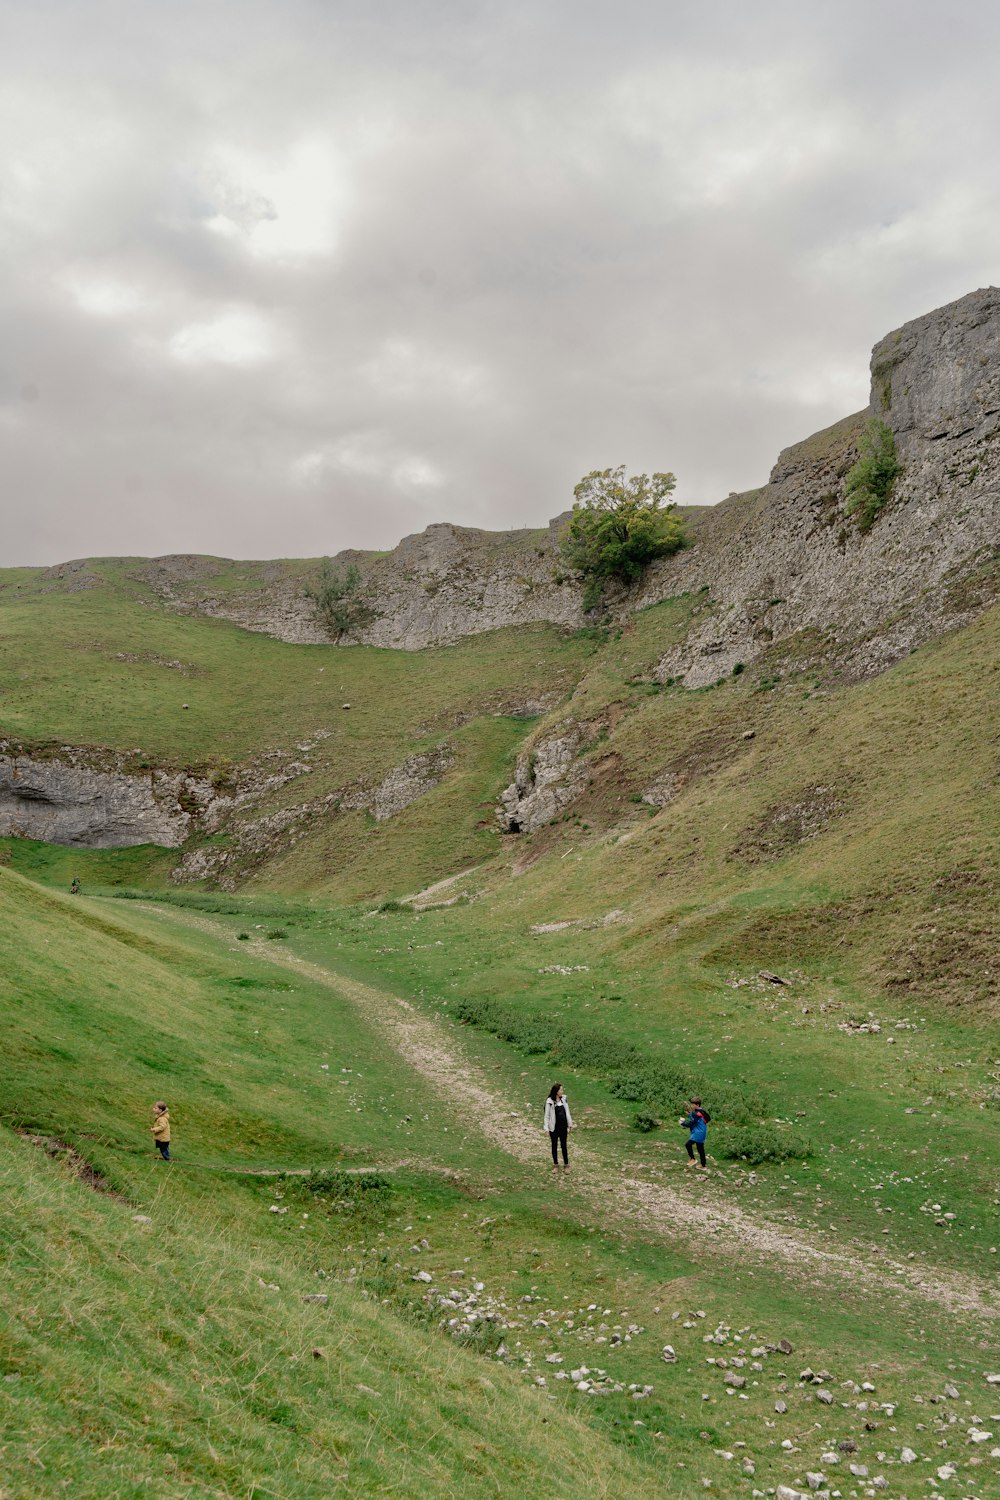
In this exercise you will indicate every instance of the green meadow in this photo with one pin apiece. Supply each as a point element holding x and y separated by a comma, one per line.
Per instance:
<point>804,933</point>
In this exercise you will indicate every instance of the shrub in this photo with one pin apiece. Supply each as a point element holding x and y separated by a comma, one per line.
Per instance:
<point>393,905</point>
<point>335,597</point>
<point>625,1069</point>
<point>243,937</point>
<point>644,1123</point>
<point>339,1183</point>
<point>618,527</point>
<point>760,1143</point>
<point>275,932</point>
<point>869,483</point>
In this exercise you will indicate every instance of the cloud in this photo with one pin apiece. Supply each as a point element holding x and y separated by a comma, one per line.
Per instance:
<point>288,278</point>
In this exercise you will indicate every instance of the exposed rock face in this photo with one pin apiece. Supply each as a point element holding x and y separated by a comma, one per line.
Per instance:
<point>436,587</point>
<point>776,562</point>
<point>404,784</point>
<point>64,802</point>
<point>547,779</point>
<point>788,559</point>
<point>100,800</point>
<point>256,838</point>
<point>662,790</point>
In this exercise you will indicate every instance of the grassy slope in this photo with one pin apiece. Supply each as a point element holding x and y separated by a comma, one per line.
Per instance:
<point>111,666</point>
<point>150,1359</point>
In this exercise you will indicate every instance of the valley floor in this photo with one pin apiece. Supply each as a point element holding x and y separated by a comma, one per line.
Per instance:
<point>360,1272</point>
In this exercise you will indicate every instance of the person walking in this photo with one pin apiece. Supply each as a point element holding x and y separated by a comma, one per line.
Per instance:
<point>558,1123</point>
<point>696,1121</point>
<point>161,1128</point>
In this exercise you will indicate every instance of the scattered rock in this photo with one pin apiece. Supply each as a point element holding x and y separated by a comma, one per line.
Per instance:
<point>141,1219</point>
<point>320,1298</point>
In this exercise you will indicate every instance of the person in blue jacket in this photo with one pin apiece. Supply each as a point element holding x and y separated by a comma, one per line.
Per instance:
<point>697,1123</point>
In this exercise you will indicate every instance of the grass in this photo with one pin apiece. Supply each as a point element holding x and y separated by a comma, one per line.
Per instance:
<point>180,1354</point>
<point>849,847</point>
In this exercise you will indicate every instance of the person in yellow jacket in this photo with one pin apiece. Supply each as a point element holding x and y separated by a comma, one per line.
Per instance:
<point>161,1129</point>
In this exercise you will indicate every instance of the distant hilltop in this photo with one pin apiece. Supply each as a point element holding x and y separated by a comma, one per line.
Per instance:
<point>776,562</point>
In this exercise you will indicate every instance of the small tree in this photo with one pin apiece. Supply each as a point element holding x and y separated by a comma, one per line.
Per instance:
<point>334,596</point>
<point>869,483</point>
<point>619,526</point>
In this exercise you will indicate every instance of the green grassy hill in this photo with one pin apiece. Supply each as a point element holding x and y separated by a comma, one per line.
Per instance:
<point>227,1326</point>
<point>353,1072</point>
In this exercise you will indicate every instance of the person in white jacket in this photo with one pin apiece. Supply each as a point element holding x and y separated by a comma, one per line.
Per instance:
<point>558,1122</point>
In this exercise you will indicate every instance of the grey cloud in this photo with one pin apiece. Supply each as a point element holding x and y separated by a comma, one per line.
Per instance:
<point>289,277</point>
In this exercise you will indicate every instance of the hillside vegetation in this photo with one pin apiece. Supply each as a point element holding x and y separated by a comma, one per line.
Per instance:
<point>200,1328</point>
<point>734,836</point>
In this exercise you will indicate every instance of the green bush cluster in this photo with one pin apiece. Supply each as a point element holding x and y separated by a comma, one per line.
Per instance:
<point>335,597</point>
<point>348,1187</point>
<point>624,1068</point>
<point>618,527</point>
<point>756,1144</point>
<point>869,483</point>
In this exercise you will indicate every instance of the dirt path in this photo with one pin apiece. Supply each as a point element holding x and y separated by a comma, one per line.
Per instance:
<point>437,1054</point>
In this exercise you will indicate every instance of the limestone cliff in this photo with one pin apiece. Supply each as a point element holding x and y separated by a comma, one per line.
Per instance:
<point>788,559</point>
<point>776,562</point>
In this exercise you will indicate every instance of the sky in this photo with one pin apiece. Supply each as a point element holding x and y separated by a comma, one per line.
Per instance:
<point>279,277</point>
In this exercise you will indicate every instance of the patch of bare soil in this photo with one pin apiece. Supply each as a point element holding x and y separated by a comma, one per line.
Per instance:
<point>786,825</point>
<point>77,1164</point>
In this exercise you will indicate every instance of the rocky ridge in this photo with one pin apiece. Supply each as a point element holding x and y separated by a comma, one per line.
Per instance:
<point>781,568</point>
<point>776,562</point>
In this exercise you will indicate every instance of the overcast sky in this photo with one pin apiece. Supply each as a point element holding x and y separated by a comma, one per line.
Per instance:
<point>283,276</point>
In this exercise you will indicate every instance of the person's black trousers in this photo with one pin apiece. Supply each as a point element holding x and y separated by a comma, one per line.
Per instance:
<point>559,1138</point>
<point>701,1150</point>
<point>164,1149</point>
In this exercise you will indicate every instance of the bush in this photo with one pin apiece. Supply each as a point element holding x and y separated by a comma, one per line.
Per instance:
<point>618,527</point>
<point>625,1069</point>
<point>760,1143</point>
<point>243,937</point>
<point>275,932</point>
<point>394,905</point>
<point>339,1183</point>
<point>869,483</point>
<point>645,1123</point>
<point>335,597</point>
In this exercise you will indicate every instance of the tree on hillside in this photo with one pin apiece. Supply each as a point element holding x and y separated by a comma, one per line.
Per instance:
<point>619,526</point>
<point>335,597</point>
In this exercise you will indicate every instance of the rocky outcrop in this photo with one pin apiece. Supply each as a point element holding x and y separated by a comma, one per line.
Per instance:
<point>547,779</point>
<point>788,559</point>
<point>253,839</point>
<point>98,799</point>
<point>782,562</point>
<point>404,784</point>
<point>435,587</point>
<point>65,801</point>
